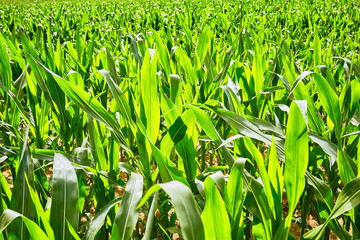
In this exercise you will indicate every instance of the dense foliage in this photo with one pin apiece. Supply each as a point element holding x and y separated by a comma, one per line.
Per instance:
<point>186,119</point>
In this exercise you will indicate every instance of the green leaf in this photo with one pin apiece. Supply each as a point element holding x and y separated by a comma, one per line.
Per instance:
<point>150,217</point>
<point>13,50</point>
<point>301,93</point>
<point>348,199</point>
<point>180,135</point>
<point>150,96</point>
<point>323,191</point>
<point>184,144</point>
<point>185,63</point>
<point>64,197</point>
<point>5,74</point>
<point>175,89</point>
<point>40,213</point>
<point>317,48</point>
<point>17,102</point>
<point>127,215</point>
<point>258,67</point>
<point>344,165</point>
<point>5,188</point>
<point>202,47</point>
<point>111,66</point>
<point>328,147</point>
<point>1,196</point>
<point>72,231</point>
<point>98,221</point>
<point>329,101</point>
<point>90,105</point>
<point>205,122</point>
<point>235,196</point>
<point>325,196</point>
<point>168,170</point>
<point>296,159</point>
<point>185,206</point>
<point>32,58</point>
<point>301,77</point>
<point>163,53</point>
<point>97,150</point>
<point>259,160</point>
<point>258,204</point>
<point>21,195</point>
<point>118,95</point>
<point>275,171</point>
<point>34,230</point>
<point>214,217</point>
<point>245,127</point>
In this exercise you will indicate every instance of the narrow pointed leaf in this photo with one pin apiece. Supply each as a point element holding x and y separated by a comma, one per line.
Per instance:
<point>64,198</point>
<point>185,206</point>
<point>127,215</point>
<point>9,216</point>
<point>216,222</point>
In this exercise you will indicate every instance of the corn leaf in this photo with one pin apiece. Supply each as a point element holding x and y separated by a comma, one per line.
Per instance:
<point>65,195</point>
<point>185,207</point>
<point>216,222</point>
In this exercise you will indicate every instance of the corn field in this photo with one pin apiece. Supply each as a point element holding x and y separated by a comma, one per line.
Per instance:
<point>191,119</point>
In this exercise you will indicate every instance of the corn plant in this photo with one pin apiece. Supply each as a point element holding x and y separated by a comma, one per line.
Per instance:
<point>179,120</point>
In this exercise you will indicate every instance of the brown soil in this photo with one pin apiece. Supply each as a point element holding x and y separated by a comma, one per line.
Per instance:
<point>49,172</point>
<point>7,174</point>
